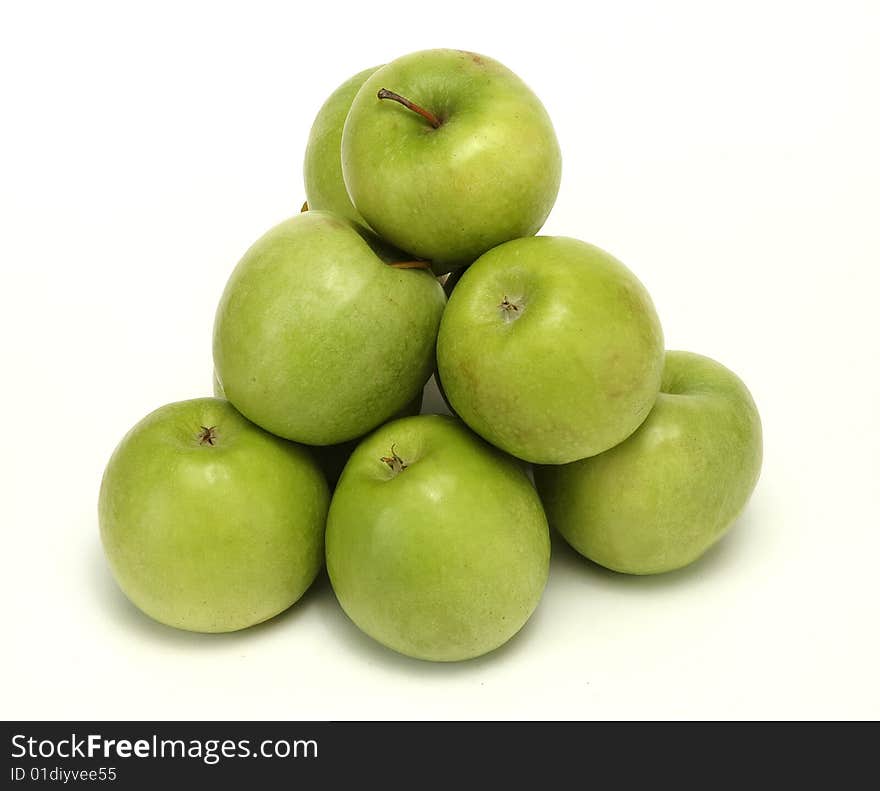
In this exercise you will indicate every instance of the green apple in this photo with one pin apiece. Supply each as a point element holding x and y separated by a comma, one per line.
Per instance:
<point>208,522</point>
<point>448,153</point>
<point>322,169</point>
<point>317,339</point>
<point>659,500</point>
<point>437,545</point>
<point>550,349</point>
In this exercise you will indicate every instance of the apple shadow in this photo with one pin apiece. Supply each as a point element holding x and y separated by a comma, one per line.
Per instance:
<point>724,555</point>
<point>432,401</point>
<point>120,610</point>
<point>110,598</point>
<point>565,564</point>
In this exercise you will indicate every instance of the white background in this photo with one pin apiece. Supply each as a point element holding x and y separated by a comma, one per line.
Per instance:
<point>727,152</point>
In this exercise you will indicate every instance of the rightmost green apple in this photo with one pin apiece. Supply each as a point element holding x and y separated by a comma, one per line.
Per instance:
<point>657,501</point>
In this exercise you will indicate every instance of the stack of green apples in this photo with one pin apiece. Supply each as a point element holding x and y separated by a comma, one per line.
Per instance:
<point>415,255</point>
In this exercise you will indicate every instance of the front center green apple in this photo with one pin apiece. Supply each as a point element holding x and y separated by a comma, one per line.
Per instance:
<point>437,544</point>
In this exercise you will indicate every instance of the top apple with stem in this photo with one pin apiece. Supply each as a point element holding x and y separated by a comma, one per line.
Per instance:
<point>447,154</point>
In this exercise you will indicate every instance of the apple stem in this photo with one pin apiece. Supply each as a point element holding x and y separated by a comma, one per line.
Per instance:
<point>411,265</point>
<point>304,207</point>
<point>394,461</point>
<point>509,309</point>
<point>432,119</point>
<point>509,306</point>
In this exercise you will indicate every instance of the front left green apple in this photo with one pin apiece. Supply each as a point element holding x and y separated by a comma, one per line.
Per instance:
<point>209,523</point>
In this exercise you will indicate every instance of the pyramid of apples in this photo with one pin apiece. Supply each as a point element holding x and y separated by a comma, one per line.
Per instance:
<point>426,181</point>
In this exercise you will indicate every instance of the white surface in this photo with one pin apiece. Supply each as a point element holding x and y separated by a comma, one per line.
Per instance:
<point>729,157</point>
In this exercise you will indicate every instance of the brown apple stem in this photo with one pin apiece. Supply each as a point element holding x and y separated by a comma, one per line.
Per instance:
<point>432,119</point>
<point>411,265</point>
<point>394,462</point>
<point>305,207</point>
<point>510,307</point>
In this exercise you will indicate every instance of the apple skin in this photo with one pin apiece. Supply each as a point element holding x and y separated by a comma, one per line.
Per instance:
<point>316,339</point>
<point>446,559</point>
<point>211,537</point>
<point>659,500</point>
<point>569,368</point>
<point>332,458</point>
<point>219,392</point>
<point>322,168</point>
<point>489,173</point>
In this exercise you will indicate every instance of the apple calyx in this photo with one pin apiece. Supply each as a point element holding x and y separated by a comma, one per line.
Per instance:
<point>432,119</point>
<point>394,462</point>
<point>207,435</point>
<point>510,309</point>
